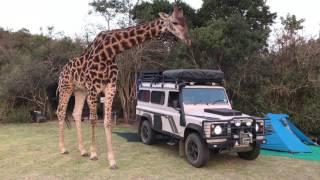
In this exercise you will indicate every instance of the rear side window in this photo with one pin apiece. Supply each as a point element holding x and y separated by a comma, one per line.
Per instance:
<point>157,97</point>
<point>144,96</point>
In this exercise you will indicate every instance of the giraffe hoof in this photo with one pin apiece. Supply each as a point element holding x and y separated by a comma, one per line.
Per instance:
<point>94,158</point>
<point>113,167</point>
<point>85,154</point>
<point>65,152</point>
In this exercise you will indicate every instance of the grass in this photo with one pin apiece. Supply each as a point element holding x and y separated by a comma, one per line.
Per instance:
<point>30,151</point>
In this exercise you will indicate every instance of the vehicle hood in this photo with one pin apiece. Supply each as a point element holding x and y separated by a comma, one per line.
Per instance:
<point>200,112</point>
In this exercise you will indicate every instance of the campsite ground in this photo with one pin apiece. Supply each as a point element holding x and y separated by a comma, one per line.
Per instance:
<point>29,151</point>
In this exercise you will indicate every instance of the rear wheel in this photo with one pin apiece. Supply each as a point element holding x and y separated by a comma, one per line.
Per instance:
<point>252,154</point>
<point>147,134</point>
<point>196,150</point>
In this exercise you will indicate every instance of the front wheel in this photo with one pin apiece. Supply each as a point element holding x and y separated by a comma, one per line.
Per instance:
<point>196,150</point>
<point>147,134</point>
<point>252,154</point>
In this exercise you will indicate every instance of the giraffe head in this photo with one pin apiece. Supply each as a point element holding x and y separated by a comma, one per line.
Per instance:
<point>176,24</point>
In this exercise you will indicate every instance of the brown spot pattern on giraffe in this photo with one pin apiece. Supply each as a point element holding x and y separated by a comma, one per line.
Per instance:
<point>96,70</point>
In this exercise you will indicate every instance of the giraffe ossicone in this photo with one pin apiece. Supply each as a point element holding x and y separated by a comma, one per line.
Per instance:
<point>96,71</point>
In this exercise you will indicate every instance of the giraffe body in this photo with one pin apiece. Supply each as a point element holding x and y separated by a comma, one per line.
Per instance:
<point>96,71</point>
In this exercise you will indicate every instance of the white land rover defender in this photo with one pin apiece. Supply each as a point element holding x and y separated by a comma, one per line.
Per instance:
<point>191,106</point>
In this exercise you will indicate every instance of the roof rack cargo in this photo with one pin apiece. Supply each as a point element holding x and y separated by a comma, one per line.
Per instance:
<point>183,76</point>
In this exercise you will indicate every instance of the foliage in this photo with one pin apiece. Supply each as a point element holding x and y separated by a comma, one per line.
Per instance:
<point>19,115</point>
<point>225,33</point>
<point>285,80</point>
<point>294,82</point>
<point>230,35</point>
<point>28,65</point>
<point>130,62</point>
<point>127,79</point>
<point>147,11</point>
<point>110,9</point>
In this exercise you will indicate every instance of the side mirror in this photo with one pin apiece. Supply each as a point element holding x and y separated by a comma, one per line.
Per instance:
<point>175,104</point>
<point>177,108</point>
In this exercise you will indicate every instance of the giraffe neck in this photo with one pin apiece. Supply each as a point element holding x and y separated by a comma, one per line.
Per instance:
<point>124,39</point>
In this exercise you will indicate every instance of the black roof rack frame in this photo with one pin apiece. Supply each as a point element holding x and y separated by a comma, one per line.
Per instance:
<point>183,77</point>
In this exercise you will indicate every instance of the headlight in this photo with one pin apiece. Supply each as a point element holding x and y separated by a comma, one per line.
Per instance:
<point>217,130</point>
<point>257,127</point>
<point>248,123</point>
<point>238,123</point>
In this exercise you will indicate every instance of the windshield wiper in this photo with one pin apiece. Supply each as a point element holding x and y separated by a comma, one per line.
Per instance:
<point>220,100</point>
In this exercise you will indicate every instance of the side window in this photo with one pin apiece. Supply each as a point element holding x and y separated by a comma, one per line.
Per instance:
<point>144,96</point>
<point>157,97</point>
<point>173,99</point>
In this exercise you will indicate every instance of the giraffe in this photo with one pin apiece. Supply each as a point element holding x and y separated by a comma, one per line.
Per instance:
<point>95,71</point>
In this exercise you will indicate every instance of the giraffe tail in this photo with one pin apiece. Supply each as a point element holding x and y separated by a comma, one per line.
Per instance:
<point>57,91</point>
<point>68,122</point>
<point>58,88</point>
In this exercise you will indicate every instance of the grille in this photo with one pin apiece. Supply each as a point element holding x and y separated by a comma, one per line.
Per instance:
<point>207,130</point>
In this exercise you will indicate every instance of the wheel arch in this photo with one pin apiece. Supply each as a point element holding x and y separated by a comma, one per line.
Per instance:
<point>193,128</point>
<point>144,117</point>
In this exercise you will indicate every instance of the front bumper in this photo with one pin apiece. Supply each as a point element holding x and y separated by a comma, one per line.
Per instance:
<point>234,136</point>
<point>232,143</point>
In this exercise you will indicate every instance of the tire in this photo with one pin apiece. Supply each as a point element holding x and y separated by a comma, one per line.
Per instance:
<point>147,134</point>
<point>196,150</point>
<point>252,154</point>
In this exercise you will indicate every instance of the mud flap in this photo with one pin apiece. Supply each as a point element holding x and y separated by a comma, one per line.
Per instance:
<point>181,148</point>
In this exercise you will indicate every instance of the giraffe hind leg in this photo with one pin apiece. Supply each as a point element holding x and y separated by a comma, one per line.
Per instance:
<point>109,95</point>
<point>64,96</point>
<point>92,103</point>
<point>80,97</point>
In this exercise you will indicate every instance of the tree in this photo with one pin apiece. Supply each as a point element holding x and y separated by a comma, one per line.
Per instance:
<point>109,9</point>
<point>130,61</point>
<point>28,65</point>
<point>294,82</point>
<point>146,11</point>
<point>227,35</point>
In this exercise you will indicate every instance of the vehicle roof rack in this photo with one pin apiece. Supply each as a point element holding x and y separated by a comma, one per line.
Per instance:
<point>198,76</point>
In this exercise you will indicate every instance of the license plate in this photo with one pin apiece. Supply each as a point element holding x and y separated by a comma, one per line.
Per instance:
<point>245,141</point>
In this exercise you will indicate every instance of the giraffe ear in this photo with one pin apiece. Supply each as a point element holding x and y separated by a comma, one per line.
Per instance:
<point>164,16</point>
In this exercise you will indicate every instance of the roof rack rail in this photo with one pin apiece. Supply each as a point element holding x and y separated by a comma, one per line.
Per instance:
<point>198,76</point>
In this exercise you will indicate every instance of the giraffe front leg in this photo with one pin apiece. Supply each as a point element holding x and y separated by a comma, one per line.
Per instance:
<point>92,103</point>
<point>109,95</point>
<point>64,96</point>
<point>61,138</point>
<point>80,97</point>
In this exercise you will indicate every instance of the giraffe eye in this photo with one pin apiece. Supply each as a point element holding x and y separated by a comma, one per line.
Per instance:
<point>174,23</point>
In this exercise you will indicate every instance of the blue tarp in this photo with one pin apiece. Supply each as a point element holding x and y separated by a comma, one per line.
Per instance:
<point>285,136</point>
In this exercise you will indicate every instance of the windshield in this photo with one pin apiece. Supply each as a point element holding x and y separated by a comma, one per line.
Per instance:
<point>204,96</point>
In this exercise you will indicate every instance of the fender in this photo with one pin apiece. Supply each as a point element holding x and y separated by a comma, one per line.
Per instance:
<point>143,116</point>
<point>194,127</point>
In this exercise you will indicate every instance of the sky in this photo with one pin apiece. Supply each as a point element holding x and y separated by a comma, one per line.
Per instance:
<point>71,16</point>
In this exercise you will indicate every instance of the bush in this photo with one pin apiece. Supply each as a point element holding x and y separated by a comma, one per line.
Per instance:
<point>309,117</point>
<point>1,113</point>
<point>19,115</point>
